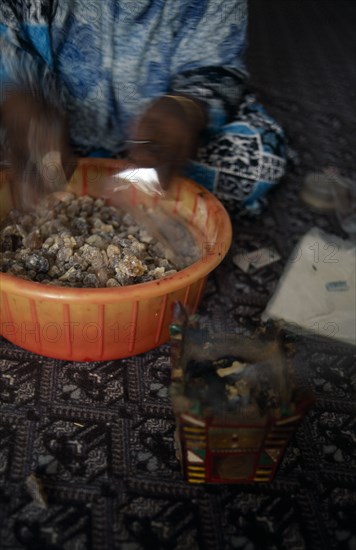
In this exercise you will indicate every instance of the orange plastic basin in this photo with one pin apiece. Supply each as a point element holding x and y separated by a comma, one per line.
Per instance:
<point>110,323</point>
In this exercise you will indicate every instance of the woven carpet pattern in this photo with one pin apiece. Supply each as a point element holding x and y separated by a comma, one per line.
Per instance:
<point>100,435</point>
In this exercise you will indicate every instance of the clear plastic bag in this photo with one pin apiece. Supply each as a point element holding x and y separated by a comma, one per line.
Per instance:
<point>158,219</point>
<point>144,179</point>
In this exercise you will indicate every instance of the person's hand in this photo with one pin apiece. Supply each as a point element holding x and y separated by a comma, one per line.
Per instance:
<point>38,147</point>
<point>167,135</point>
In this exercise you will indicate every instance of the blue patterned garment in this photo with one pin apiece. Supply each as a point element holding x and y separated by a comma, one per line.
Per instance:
<point>106,60</point>
<point>103,61</point>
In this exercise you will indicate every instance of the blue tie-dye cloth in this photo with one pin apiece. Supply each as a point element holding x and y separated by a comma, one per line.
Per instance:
<point>103,61</point>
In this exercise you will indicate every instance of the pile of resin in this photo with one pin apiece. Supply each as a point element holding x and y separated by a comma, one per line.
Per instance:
<point>80,242</point>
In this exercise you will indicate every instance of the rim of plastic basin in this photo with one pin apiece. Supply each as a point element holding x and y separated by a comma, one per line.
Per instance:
<point>198,270</point>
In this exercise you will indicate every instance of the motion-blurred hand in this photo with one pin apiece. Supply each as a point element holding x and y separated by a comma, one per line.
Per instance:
<point>170,127</point>
<point>39,153</point>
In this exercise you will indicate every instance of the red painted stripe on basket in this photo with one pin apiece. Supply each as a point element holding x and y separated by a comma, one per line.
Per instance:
<point>186,296</point>
<point>7,308</point>
<point>133,325</point>
<point>84,180</point>
<point>133,195</point>
<point>176,202</point>
<point>194,209</point>
<point>66,324</point>
<point>101,317</point>
<point>208,215</point>
<point>34,317</point>
<point>200,292</point>
<point>160,318</point>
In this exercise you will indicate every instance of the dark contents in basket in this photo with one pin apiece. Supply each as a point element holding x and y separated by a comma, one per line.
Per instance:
<point>82,242</point>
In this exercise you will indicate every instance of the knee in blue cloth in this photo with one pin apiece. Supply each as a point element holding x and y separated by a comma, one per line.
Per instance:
<point>244,161</point>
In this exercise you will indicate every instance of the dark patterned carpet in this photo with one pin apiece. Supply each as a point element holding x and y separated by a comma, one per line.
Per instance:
<point>100,436</point>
